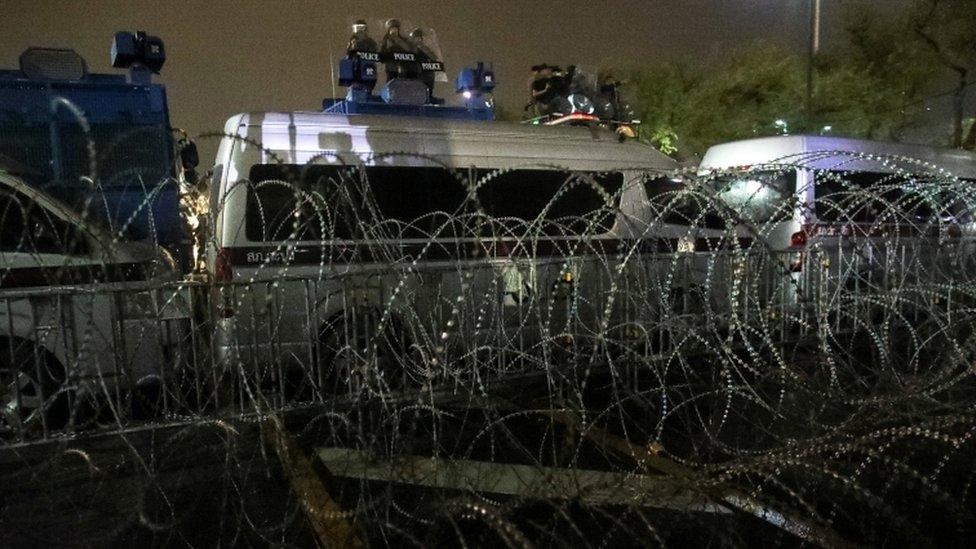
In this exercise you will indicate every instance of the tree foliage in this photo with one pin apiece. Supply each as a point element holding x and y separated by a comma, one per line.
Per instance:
<point>874,84</point>
<point>685,107</point>
<point>947,31</point>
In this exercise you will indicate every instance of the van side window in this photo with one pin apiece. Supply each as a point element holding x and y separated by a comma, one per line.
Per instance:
<point>551,202</point>
<point>52,235</point>
<point>315,203</point>
<point>290,202</point>
<point>417,202</point>
<point>870,197</point>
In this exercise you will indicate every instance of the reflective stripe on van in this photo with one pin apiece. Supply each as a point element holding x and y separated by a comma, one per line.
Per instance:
<point>902,230</point>
<point>359,252</point>
<point>41,276</point>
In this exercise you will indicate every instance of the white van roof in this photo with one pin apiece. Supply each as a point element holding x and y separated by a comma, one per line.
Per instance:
<point>803,149</point>
<point>298,137</point>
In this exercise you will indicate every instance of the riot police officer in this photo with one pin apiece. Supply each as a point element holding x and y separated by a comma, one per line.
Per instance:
<point>546,85</point>
<point>360,39</point>
<point>424,53</point>
<point>394,42</point>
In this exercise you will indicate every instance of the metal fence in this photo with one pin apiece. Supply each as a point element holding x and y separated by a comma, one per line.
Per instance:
<point>97,359</point>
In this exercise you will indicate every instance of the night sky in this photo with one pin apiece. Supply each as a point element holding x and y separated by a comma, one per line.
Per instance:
<point>227,57</point>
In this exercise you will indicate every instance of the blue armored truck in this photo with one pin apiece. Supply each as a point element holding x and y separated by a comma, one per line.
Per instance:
<point>100,143</point>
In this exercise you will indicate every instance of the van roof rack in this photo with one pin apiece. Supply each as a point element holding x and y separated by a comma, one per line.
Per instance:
<point>345,106</point>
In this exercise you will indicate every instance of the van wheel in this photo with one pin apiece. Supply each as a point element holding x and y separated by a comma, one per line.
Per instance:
<point>356,354</point>
<point>31,392</point>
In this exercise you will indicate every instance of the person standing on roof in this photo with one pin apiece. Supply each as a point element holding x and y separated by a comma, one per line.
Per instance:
<point>545,84</point>
<point>360,39</point>
<point>424,54</point>
<point>423,50</point>
<point>394,42</point>
<point>361,42</point>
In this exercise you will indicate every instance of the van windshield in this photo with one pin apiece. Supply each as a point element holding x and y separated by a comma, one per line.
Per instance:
<point>324,202</point>
<point>759,196</point>
<point>674,202</point>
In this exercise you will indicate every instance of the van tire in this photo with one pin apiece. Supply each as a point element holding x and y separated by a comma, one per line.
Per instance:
<point>43,399</point>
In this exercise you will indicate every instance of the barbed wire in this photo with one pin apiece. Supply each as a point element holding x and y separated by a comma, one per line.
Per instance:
<point>523,356</point>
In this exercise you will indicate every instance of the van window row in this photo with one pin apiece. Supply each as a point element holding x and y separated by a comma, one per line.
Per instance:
<point>866,197</point>
<point>397,202</point>
<point>858,197</point>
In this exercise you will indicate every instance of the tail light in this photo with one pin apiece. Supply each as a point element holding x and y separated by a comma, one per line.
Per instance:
<point>223,271</point>
<point>798,239</point>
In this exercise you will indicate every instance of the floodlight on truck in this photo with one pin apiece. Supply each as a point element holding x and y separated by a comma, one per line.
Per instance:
<point>53,64</point>
<point>142,54</point>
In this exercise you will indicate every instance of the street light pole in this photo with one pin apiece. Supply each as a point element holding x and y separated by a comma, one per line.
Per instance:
<point>814,50</point>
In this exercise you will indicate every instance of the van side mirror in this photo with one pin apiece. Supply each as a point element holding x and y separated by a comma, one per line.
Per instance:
<point>189,160</point>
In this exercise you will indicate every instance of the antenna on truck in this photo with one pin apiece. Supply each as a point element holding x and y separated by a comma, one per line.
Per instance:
<point>332,73</point>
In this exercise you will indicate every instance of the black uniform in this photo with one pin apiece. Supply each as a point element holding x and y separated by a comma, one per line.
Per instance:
<point>361,41</point>
<point>424,53</point>
<point>394,42</point>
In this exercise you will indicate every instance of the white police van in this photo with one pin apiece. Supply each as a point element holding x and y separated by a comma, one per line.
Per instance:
<point>80,311</point>
<point>319,217</point>
<point>820,176</point>
<point>854,213</point>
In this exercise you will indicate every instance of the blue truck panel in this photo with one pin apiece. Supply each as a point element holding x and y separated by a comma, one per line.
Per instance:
<point>129,184</point>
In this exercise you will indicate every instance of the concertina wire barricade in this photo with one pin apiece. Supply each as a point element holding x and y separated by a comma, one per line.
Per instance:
<point>465,377</point>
